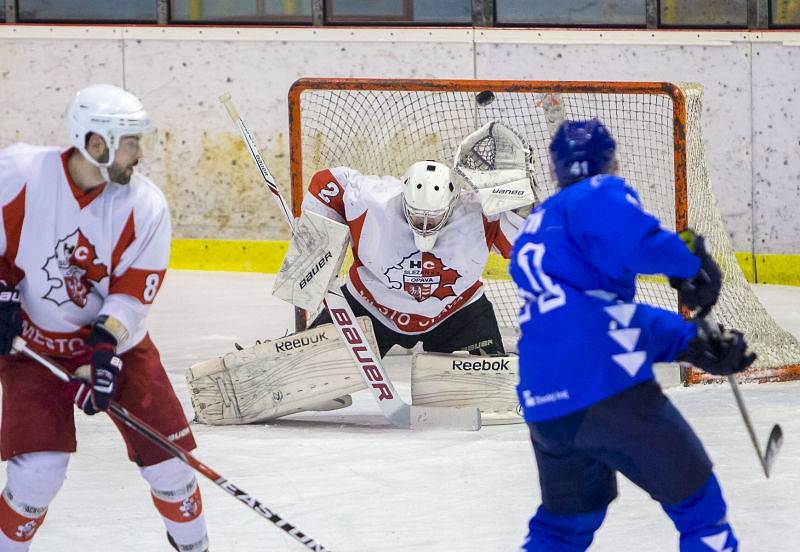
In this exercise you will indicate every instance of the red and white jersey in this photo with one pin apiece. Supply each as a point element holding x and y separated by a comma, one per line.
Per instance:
<point>410,291</point>
<point>75,255</point>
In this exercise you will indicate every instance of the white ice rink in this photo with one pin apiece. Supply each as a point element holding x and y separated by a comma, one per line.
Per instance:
<point>355,484</point>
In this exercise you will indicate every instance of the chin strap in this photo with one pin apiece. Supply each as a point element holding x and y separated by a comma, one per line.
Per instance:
<point>104,173</point>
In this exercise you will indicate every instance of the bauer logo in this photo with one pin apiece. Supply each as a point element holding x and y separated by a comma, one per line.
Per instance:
<point>315,269</point>
<point>484,365</point>
<point>508,192</point>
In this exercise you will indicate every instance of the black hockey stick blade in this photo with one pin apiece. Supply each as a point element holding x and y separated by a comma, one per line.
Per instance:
<point>774,444</point>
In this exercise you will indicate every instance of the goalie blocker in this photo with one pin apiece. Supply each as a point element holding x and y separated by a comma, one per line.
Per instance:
<point>312,261</point>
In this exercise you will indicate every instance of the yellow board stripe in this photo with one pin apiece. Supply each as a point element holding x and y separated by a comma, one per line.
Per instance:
<point>266,256</point>
<point>228,255</point>
<point>778,269</point>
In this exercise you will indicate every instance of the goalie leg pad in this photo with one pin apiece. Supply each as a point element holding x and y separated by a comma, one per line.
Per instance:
<point>488,382</point>
<point>304,371</point>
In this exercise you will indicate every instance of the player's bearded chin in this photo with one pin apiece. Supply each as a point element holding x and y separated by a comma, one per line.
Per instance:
<point>121,174</point>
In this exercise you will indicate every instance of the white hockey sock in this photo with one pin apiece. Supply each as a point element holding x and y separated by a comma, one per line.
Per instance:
<point>32,482</point>
<point>176,496</point>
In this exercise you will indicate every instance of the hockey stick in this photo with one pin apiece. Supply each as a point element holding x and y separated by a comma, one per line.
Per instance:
<point>775,439</point>
<point>117,411</point>
<point>397,411</point>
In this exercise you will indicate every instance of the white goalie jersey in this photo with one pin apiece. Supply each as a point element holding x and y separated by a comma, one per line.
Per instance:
<point>410,291</point>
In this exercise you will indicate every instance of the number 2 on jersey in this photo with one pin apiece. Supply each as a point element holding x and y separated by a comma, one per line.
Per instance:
<point>330,190</point>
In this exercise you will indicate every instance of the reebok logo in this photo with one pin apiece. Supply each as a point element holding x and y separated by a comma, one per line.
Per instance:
<point>481,365</point>
<point>296,343</point>
<point>315,269</point>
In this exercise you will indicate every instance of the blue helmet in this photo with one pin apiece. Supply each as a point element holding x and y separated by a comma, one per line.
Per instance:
<point>581,149</point>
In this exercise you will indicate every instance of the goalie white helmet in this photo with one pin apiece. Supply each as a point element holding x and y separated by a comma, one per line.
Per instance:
<point>108,111</point>
<point>429,196</point>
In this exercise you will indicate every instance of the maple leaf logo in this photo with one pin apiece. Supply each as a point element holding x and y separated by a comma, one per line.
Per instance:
<point>72,270</point>
<point>423,277</point>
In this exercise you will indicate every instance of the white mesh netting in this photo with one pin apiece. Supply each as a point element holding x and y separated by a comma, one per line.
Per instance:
<point>377,130</point>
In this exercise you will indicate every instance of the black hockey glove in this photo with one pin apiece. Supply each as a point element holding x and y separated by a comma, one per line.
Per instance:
<point>702,290</point>
<point>97,389</point>
<point>10,317</point>
<point>717,350</point>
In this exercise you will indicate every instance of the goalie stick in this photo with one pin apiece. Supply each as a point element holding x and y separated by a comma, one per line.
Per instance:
<point>397,411</point>
<point>122,414</point>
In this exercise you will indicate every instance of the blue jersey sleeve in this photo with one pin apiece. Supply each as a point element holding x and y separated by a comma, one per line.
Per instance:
<point>673,335</point>
<point>619,237</point>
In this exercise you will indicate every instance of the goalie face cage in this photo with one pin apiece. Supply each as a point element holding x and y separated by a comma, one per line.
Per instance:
<point>382,126</point>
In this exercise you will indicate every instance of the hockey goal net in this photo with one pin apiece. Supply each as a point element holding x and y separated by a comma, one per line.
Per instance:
<point>381,126</point>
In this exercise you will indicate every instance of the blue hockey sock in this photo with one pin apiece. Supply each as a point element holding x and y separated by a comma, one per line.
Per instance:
<point>701,520</point>
<point>569,533</point>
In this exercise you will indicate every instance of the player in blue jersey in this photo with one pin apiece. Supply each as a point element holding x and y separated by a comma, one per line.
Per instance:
<point>586,353</point>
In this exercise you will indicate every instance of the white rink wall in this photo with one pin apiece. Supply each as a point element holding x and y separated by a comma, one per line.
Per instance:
<point>751,118</point>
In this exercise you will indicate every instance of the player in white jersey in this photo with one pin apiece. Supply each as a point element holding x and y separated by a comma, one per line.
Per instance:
<point>84,246</point>
<point>419,250</point>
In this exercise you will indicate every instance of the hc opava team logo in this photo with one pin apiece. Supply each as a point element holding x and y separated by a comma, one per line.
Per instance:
<point>73,269</point>
<point>25,531</point>
<point>190,507</point>
<point>423,277</point>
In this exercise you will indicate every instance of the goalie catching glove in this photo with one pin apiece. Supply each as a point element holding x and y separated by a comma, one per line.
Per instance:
<point>717,350</point>
<point>702,290</point>
<point>496,164</point>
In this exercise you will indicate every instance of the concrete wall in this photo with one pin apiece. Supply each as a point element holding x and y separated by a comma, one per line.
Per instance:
<point>751,118</point>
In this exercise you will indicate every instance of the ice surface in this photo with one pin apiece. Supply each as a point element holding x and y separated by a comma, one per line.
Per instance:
<point>355,484</point>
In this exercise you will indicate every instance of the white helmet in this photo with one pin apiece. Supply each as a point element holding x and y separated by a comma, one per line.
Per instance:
<point>106,110</point>
<point>429,196</point>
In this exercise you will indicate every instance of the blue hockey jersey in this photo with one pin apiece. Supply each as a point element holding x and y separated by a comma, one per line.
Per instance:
<point>575,263</point>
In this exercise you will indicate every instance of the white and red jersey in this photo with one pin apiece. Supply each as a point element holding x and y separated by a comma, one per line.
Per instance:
<point>410,291</point>
<point>75,255</point>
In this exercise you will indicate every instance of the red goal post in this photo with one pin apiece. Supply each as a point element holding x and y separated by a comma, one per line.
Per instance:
<point>381,126</point>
